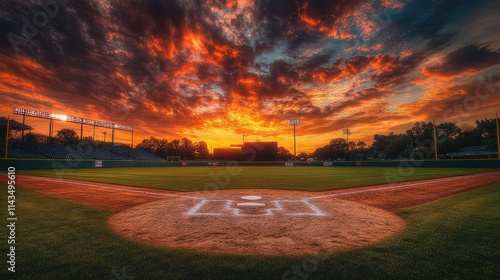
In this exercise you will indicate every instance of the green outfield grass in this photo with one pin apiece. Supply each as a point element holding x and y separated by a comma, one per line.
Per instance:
<point>270,177</point>
<point>452,238</point>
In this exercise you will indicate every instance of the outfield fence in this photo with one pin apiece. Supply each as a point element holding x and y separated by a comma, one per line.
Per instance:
<point>27,164</point>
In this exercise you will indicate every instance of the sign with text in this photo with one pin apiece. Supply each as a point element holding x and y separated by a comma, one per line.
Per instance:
<point>293,122</point>
<point>60,117</point>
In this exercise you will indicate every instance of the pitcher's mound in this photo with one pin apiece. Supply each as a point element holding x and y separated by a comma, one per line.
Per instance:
<point>283,227</point>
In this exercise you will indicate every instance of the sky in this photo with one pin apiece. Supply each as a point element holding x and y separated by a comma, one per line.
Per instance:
<point>218,70</point>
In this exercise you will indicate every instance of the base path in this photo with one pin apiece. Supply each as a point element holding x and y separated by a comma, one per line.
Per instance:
<point>291,223</point>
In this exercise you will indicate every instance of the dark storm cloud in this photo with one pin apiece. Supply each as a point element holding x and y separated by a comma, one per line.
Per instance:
<point>69,46</point>
<point>354,99</point>
<point>465,59</point>
<point>302,38</point>
<point>329,11</point>
<point>420,20</point>
<point>394,71</point>
<point>156,17</point>
<point>276,16</point>
<point>83,60</point>
<point>317,60</point>
<point>282,18</point>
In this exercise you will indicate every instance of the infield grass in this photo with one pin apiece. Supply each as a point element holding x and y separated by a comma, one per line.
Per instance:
<point>451,238</point>
<point>306,178</point>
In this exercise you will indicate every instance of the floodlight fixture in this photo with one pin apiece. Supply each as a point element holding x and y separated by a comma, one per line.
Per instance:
<point>294,122</point>
<point>66,118</point>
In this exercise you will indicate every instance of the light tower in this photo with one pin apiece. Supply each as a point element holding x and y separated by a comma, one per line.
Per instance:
<point>294,122</point>
<point>347,131</point>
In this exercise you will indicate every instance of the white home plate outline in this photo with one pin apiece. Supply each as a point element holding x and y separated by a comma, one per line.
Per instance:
<point>195,210</point>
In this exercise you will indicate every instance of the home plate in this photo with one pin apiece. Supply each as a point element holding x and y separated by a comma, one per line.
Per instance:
<point>251,197</point>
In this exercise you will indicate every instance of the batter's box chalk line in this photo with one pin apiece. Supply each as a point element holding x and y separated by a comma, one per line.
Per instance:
<point>226,208</point>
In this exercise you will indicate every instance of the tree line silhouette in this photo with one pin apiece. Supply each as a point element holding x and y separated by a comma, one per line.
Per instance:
<point>450,138</point>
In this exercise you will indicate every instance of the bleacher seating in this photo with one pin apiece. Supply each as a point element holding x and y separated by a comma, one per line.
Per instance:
<point>59,151</point>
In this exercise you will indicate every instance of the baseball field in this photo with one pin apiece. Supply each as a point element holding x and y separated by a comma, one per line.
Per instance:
<point>316,223</point>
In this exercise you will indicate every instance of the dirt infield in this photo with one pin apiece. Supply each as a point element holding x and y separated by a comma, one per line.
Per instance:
<point>291,223</point>
<point>288,225</point>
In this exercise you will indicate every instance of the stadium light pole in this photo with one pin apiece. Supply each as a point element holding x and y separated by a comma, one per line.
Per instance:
<point>93,136</point>
<point>50,128</point>
<point>435,140</point>
<point>347,132</point>
<point>294,122</point>
<point>81,132</point>
<point>22,136</point>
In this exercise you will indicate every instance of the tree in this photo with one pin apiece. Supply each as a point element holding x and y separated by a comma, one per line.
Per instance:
<point>150,145</point>
<point>487,128</point>
<point>202,150</point>
<point>67,136</point>
<point>397,147</point>
<point>338,148</point>
<point>322,153</point>
<point>447,130</point>
<point>34,137</point>
<point>361,145</point>
<point>187,148</point>
<point>469,136</point>
<point>284,154</point>
<point>448,135</point>
<point>351,148</point>
<point>380,142</point>
<point>175,144</point>
<point>302,155</point>
<point>421,131</point>
<point>421,136</point>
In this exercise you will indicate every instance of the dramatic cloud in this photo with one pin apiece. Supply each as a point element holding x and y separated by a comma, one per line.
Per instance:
<point>466,60</point>
<point>213,70</point>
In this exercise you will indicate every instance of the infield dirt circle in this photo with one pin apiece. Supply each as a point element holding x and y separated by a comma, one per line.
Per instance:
<point>290,224</point>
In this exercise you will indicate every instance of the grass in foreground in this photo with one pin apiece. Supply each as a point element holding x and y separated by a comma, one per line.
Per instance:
<point>452,238</point>
<point>277,177</point>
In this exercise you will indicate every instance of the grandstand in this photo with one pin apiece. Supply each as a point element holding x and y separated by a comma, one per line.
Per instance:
<point>472,152</point>
<point>89,152</point>
<point>39,146</point>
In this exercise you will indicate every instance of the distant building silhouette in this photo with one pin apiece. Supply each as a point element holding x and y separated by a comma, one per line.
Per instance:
<point>249,151</point>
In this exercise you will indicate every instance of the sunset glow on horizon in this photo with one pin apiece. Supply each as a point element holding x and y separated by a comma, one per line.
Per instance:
<point>218,70</point>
